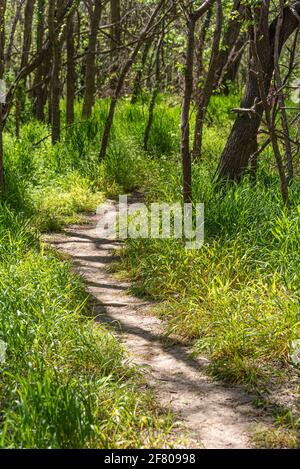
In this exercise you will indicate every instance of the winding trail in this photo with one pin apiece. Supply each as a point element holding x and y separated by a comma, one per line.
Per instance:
<point>214,415</point>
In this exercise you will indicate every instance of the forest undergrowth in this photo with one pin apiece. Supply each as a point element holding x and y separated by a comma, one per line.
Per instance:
<point>236,299</point>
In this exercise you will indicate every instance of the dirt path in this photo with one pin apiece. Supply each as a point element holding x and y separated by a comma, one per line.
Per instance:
<point>216,416</point>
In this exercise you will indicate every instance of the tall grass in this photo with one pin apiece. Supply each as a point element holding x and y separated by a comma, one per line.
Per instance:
<point>238,297</point>
<point>64,382</point>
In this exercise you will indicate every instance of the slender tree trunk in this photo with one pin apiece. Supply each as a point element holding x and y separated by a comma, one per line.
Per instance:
<point>28,18</point>
<point>40,77</point>
<point>230,40</point>
<point>70,70</point>
<point>115,17</point>
<point>138,77</point>
<point>56,92</point>
<point>230,71</point>
<point>2,46</point>
<point>127,66</point>
<point>12,34</point>
<point>242,142</point>
<point>185,113</point>
<point>267,106</point>
<point>50,53</point>
<point>90,63</point>
<point>281,100</point>
<point>35,61</point>
<point>205,93</point>
<point>27,36</point>
<point>58,41</point>
<point>115,34</point>
<point>55,81</point>
<point>187,97</point>
<point>199,54</point>
<point>154,93</point>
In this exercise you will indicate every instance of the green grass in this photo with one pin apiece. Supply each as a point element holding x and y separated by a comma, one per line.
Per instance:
<point>65,382</point>
<point>236,299</point>
<point>282,438</point>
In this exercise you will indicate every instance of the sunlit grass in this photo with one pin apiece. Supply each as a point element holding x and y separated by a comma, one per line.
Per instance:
<point>236,299</point>
<point>65,381</point>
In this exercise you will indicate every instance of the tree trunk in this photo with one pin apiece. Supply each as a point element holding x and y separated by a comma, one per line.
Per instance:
<point>2,45</point>
<point>115,18</point>
<point>187,97</point>
<point>242,142</point>
<point>55,81</point>
<point>115,35</point>
<point>230,40</point>
<point>205,93</point>
<point>200,46</point>
<point>127,66</point>
<point>27,36</point>
<point>185,113</point>
<point>267,103</point>
<point>28,18</point>
<point>12,34</point>
<point>138,77</point>
<point>154,93</point>
<point>90,63</point>
<point>230,71</point>
<point>56,91</point>
<point>40,77</point>
<point>281,99</point>
<point>70,70</point>
<point>49,55</point>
